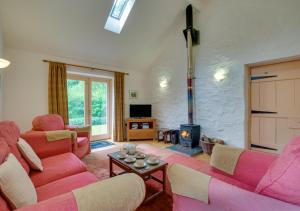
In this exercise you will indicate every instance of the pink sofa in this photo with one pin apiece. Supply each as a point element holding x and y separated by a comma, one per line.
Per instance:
<point>51,122</point>
<point>232,193</point>
<point>62,173</point>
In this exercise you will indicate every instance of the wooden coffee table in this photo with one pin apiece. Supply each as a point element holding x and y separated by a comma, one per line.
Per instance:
<point>145,173</point>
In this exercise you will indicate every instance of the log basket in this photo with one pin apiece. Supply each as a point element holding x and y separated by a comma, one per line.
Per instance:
<point>209,143</point>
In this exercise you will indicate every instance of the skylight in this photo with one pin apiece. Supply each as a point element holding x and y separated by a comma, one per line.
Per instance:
<point>118,15</point>
<point>118,9</point>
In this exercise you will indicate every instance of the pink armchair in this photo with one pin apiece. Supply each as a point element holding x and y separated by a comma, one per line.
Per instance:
<point>52,122</point>
<point>232,193</point>
<point>44,148</point>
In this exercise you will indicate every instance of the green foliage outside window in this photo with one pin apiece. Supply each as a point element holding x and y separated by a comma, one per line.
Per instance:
<point>76,96</point>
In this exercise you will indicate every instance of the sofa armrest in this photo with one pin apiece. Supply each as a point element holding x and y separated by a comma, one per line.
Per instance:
<point>223,196</point>
<point>44,148</point>
<point>124,192</point>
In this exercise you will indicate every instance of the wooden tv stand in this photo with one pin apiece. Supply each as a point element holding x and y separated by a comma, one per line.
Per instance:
<point>137,128</point>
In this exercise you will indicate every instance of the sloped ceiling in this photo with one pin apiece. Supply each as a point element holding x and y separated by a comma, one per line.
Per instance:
<point>75,29</point>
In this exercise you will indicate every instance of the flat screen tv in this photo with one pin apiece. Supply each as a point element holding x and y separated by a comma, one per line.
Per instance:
<point>138,111</point>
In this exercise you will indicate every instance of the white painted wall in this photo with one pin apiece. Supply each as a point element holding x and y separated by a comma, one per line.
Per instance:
<point>1,41</point>
<point>1,89</point>
<point>233,33</point>
<point>26,86</point>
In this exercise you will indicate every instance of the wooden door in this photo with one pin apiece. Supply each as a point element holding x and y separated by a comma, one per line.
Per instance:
<point>275,104</point>
<point>285,98</point>
<point>267,96</point>
<point>267,134</point>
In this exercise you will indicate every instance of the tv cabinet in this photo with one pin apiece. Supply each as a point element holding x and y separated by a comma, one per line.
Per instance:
<point>141,128</point>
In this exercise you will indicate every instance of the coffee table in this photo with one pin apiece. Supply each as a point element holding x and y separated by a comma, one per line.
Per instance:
<point>145,173</point>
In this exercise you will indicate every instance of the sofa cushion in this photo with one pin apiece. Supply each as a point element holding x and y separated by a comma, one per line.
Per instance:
<point>48,122</point>
<point>64,202</point>
<point>57,167</point>
<point>65,185</point>
<point>3,204</point>
<point>15,184</point>
<point>282,178</point>
<point>33,160</point>
<point>225,197</point>
<point>10,133</point>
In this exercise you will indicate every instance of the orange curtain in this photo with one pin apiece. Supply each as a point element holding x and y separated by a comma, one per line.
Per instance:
<point>57,90</point>
<point>119,107</point>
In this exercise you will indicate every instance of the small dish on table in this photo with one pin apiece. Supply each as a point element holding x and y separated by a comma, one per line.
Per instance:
<point>122,155</point>
<point>130,159</point>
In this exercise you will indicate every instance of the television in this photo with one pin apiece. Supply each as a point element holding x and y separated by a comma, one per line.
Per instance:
<point>138,111</point>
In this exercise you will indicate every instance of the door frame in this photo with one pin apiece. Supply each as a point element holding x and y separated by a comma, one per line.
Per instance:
<point>88,97</point>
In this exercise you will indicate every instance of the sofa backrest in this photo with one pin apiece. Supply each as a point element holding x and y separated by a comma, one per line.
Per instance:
<point>4,151</point>
<point>10,133</point>
<point>48,122</point>
<point>282,178</point>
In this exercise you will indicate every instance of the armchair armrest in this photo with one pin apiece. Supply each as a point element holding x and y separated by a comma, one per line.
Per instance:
<point>84,131</point>
<point>223,196</point>
<point>43,148</point>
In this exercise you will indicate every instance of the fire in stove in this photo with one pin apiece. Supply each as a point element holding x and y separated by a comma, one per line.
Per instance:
<point>185,134</point>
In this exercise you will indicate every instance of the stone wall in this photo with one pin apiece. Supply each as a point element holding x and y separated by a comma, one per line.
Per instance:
<point>233,33</point>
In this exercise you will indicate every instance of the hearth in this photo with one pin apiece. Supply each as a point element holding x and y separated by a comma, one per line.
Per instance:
<point>189,135</point>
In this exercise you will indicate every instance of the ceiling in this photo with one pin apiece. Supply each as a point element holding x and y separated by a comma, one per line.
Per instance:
<point>75,29</point>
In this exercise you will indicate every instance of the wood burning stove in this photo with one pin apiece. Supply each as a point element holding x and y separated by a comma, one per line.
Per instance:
<point>189,135</point>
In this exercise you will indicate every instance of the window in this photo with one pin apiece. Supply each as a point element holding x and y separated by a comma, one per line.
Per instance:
<point>118,9</point>
<point>118,15</point>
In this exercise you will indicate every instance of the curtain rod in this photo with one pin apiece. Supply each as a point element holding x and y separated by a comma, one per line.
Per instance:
<point>86,67</point>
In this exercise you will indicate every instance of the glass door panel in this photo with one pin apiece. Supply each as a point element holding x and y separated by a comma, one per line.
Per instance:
<point>76,102</point>
<point>89,104</point>
<point>99,109</point>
